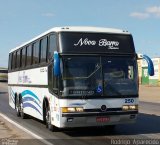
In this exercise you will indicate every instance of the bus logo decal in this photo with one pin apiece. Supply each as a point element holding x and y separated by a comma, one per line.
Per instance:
<point>77,104</point>
<point>101,43</point>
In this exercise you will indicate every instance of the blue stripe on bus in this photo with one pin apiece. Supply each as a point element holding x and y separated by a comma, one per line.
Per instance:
<point>31,106</point>
<point>25,98</point>
<point>28,98</point>
<point>28,92</point>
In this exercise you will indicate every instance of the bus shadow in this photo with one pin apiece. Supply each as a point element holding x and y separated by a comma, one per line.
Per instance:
<point>146,124</point>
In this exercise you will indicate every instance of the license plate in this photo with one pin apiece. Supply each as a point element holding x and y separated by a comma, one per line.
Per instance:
<point>102,119</point>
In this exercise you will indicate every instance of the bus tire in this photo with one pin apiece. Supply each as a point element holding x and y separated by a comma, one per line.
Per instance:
<point>48,119</point>
<point>23,115</point>
<point>17,106</point>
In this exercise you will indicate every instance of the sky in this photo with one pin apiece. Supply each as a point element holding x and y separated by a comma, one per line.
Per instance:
<point>21,20</point>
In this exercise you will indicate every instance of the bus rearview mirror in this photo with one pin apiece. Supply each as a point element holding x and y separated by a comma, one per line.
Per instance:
<point>56,67</point>
<point>150,65</point>
<point>149,62</point>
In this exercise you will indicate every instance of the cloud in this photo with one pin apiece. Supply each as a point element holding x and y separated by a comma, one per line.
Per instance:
<point>140,15</point>
<point>153,11</point>
<point>48,14</point>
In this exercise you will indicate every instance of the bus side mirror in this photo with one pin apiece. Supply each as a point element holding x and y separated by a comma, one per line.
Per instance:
<point>149,62</point>
<point>56,67</point>
<point>150,65</point>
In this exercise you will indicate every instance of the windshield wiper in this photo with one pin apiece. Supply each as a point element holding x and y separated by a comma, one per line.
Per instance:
<point>70,78</point>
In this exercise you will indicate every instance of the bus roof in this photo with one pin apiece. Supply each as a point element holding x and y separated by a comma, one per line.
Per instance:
<point>75,29</point>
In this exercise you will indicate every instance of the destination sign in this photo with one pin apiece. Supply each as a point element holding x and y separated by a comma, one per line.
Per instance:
<point>100,43</point>
<point>74,42</point>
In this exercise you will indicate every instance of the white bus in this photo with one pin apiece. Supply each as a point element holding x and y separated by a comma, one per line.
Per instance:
<point>76,77</point>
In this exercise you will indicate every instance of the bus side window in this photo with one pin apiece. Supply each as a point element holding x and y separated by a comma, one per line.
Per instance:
<point>10,62</point>
<point>23,57</point>
<point>14,61</point>
<point>52,80</point>
<point>43,50</point>
<point>18,59</point>
<point>55,81</point>
<point>52,46</point>
<point>29,55</point>
<point>36,52</point>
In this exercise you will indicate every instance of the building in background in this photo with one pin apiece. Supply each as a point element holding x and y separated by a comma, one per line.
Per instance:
<point>155,80</point>
<point>139,62</point>
<point>144,77</point>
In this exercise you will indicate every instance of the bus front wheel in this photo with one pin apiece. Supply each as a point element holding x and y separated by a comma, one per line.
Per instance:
<point>48,119</point>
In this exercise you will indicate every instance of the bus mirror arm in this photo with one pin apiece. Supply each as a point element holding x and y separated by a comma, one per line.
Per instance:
<point>149,62</point>
<point>56,64</point>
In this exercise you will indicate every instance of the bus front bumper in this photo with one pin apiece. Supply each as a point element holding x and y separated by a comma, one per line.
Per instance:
<point>97,118</point>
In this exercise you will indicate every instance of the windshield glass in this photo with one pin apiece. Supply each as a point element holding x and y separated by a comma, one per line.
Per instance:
<point>120,77</point>
<point>81,76</point>
<point>99,76</point>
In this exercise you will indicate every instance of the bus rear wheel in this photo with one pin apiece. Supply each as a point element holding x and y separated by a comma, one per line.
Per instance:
<point>17,107</point>
<point>22,114</point>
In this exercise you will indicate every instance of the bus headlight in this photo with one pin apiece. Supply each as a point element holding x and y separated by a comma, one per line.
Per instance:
<point>129,107</point>
<point>125,107</point>
<point>133,107</point>
<point>71,109</point>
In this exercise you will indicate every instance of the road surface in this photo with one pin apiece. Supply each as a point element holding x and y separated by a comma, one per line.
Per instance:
<point>147,126</point>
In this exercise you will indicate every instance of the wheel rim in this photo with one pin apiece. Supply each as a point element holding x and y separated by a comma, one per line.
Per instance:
<point>48,116</point>
<point>21,109</point>
<point>17,109</point>
<point>17,106</point>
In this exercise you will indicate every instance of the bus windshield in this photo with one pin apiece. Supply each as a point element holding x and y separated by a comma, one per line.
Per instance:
<point>99,76</point>
<point>81,75</point>
<point>120,76</point>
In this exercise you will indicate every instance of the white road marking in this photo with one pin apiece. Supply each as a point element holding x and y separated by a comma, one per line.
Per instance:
<point>26,130</point>
<point>152,136</point>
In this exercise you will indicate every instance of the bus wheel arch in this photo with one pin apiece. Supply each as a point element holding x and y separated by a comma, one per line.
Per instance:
<point>16,99</point>
<point>45,104</point>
